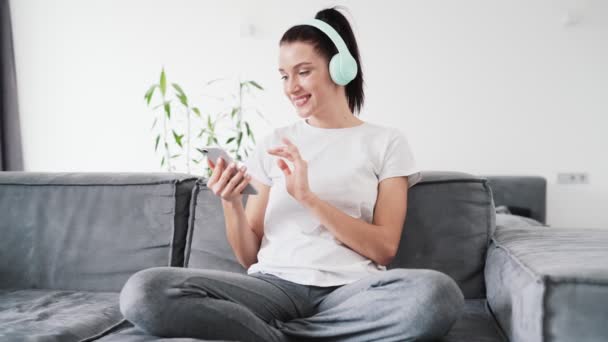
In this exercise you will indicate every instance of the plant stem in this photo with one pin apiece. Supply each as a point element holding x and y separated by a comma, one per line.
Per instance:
<point>188,139</point>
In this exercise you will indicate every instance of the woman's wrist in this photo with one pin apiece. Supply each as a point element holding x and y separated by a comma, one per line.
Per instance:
<point>233,203</point>
<point>309,200</point>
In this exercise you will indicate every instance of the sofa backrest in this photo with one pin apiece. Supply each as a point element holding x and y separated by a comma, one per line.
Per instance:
<point>449,223</point>
<point>89,231</point>
<point>450,220</point>
<point>207,245</point>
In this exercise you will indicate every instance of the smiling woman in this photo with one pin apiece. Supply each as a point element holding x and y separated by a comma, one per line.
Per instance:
<point>316,239</point>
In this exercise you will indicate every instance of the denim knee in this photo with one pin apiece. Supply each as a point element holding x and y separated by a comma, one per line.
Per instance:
<point>439,299</point>
<point>142,297</point>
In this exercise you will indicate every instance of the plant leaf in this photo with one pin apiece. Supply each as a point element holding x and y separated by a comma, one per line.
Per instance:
<point>168,109</point>
<point>248,128</point>
<point>154,124</point>
<point>229,140</point>
<point>156,143</point>
<point>255,84</point>
<point>149,93</point>
<point>238,140</point>
<point>163,82</point>
<point>175,156</point>
<point>234,110</point>
<point>209,124</point>
<point>196,110</point>
<point>183,99</point>
<point>201,133</point>
<point>213,81</point>
<point>162,162</point>
<point>178,138</point>
<point>178,88</point>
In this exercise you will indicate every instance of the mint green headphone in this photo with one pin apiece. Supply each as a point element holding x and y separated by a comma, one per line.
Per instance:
<point>342,66</point>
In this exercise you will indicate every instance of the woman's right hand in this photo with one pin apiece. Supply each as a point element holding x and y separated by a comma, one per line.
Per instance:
<point>225,183</point>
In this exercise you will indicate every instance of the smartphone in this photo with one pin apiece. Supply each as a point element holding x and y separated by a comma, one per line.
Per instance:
<point>213,153</point>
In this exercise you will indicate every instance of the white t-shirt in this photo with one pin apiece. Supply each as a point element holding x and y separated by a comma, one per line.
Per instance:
<point>345,166</point>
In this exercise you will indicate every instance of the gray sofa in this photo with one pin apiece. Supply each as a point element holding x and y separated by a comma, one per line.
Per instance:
<point>69,241</point>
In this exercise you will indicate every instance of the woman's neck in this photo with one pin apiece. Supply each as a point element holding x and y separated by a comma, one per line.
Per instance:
<point>334,122</point>
<point>340,117</point>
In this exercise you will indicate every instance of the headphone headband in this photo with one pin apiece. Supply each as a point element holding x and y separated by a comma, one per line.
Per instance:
<point>342,66</point>
<point>330,32</point>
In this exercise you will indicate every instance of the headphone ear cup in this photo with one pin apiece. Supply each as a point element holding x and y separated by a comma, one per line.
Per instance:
<point>342,68</point>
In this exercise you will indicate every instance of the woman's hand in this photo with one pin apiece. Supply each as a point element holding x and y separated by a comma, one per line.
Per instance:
<point>225,183</point>
<point>296,180</point>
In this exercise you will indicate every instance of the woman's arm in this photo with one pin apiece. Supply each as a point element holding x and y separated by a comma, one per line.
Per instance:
<point>378,241</point>
<point>245,226</point>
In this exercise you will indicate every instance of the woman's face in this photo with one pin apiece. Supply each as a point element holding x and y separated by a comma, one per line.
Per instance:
<point>305,77</point>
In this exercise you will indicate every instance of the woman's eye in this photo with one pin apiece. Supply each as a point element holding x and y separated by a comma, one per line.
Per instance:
<point>304,72</point>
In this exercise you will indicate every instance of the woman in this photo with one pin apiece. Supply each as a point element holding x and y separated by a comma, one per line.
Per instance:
<point>328,216</point>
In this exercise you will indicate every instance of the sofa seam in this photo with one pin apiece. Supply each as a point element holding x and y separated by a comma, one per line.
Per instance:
<point>448,181</point>
<point>174,225</point>
<point>103,333</point>
<point>559,280</point>
<point>501,332</point>
<point>101,184</point>
<point>528,269</point>
<point>192,214</point>
<point>543,319</point>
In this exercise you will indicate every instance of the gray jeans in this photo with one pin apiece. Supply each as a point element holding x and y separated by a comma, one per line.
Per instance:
<point>396,305</point>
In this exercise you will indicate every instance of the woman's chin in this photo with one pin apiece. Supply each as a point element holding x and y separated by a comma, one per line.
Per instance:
<point>303,113</point>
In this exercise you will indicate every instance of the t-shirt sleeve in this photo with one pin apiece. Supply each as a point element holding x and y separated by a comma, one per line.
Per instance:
<point>399,160</point>
<point>258,162</point>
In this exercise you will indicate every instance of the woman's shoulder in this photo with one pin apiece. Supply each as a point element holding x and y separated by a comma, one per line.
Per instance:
<point>383,130</point>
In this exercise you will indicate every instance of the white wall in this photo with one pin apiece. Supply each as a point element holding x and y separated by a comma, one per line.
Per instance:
<point>487,87</point>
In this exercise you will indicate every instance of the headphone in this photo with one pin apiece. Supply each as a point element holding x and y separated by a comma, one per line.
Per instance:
<point>342,66</point>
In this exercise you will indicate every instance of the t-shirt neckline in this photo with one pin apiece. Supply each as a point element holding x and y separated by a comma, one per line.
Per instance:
<point>319,129</point>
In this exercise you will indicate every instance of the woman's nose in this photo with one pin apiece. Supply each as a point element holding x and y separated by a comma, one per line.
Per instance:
<point>293,86</point>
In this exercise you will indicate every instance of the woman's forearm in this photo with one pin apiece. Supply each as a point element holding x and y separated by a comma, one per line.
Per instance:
<point>375,242</point>
<point>244,241</point>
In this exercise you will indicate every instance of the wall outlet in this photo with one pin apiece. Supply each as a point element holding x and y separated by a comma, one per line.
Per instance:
<point>573,178</point>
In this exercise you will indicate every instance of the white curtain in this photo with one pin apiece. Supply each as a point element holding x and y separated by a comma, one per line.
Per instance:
<point>11,156</point>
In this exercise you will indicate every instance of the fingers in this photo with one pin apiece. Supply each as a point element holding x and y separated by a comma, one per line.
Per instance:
<point>234,181</point>
<point>239,188</point>
<point>280,152</point>
<point>284,167</point>
<point>289,152</point>
<point>217,171</point>
<point>224,178</point>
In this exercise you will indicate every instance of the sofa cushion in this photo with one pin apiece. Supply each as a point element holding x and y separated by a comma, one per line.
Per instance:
<point>450,219</point>
<point>207,245</point>
<point>549,285</point>
<point>89,231</point>
<point>50,315</point>
<point>476,324</point>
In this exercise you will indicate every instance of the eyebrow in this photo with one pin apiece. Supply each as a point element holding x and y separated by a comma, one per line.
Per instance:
<point>297,65</point>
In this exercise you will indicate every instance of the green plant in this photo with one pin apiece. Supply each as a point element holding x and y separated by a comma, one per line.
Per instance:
<point>175,104</point>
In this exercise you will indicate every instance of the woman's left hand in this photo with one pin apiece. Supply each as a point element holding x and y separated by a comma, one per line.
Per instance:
<point>296,180</point>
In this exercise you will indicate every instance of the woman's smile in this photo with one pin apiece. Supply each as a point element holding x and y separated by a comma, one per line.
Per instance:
<point>300,101</point>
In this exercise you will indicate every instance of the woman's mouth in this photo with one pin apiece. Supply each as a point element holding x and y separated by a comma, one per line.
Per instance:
<point>301,100</point>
